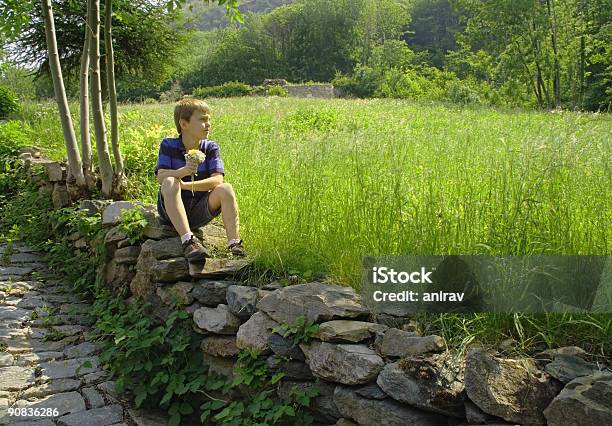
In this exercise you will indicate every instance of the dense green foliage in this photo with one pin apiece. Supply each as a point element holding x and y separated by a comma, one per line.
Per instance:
<point>8,102</point>
<point>146,44</point>
<point>227,90</point>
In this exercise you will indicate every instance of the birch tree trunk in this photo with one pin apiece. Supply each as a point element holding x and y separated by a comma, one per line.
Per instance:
<point>118,181</point>
<point>75,168</point>
<point>104,161</point>
<point>84,100</point>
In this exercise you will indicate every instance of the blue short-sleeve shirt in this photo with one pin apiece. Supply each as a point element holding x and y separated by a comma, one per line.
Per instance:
<point>172,157</point>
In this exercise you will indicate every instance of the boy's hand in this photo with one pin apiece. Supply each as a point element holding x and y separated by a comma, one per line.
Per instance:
<point>190,168</point>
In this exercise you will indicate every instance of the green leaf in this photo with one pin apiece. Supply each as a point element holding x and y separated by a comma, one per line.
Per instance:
<point>186,408</point>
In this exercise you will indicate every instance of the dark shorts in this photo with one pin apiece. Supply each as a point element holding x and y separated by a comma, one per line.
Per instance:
<point>197,210</point>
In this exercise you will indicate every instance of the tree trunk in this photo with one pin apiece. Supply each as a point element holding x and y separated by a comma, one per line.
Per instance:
<point>104,161</point>
<point>112,94</point>
<point>557,70</point>
<point>581,72</point>
<point>74,159</point>
<point>84,101</point>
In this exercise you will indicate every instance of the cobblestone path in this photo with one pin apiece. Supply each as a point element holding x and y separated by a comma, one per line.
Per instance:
<point>49,372</point>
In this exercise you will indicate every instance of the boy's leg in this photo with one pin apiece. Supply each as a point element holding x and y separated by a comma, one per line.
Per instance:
<point>173,204</point>
<point>223,197</point>
<point>175,211</point>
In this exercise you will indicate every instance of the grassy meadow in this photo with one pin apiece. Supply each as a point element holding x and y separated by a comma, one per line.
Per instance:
<point>321,183</point>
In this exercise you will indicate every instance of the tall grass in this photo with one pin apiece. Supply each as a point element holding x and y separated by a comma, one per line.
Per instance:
<point>322,183</point>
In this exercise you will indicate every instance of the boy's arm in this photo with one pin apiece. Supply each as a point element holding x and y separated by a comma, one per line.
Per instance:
<point>207,184</point>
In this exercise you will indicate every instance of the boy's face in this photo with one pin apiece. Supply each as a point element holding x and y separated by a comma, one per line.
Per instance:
<point>198,126</point>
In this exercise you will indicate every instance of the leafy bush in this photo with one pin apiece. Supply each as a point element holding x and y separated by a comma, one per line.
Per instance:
<point>13,135</point>
<point>133,224</point>
<point>363,83</point>
<point>277,91</point>
<point>8,102</point>
<point>227,90</point>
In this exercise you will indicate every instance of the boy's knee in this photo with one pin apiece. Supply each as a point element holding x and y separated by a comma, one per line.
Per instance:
<point>226,189</point>
<point>170,185</point>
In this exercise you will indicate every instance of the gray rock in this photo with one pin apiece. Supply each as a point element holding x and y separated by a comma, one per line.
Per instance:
<point>217,320</point>
<point>26,258</point>
<point>374,412</point>
<point>565,350</point>
<point>426,384</point>
<point>211,292</point>
<point>6,359</point>
<point>254,333</point>
<point>81,350</point>
<point>67,402</point>
<point>109,388</point>
<point>56,172</point>
<point>15,378</point>
<point>51,387</point>
<point>294,370</point>
<point>220,346</point>
<point>37,357</point>
<point>242,300</point>
<point>585,401</point>
<point>12,272</point>
<point>345,422</point>
<point>343,363</point>
<point>163,249</point>
<point>515,390</point>
<point>176,293</point>
<point>68,368</point>
<point>284,347</point>
<point>348,331</point>
<point>60,196</point>
<point>97,417</point>
<point>93,207</point>
<point>568,367</point>
<point>128,255</point>
<point>95,377</point>
<point>113,214</point>
<point>314,301</point>
<point>171,270</point>
<point>218,365</point>
<point>220,268</point>
<point>93,397</point>
<point>475,416</point>
<point>403,343</point>
<point>371,391</point>
<point>392,321</point>
<point>148,417</point>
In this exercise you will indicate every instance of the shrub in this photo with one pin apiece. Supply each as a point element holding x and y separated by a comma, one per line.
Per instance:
<point>363,83</point>
<point>13,134</point>
<point>8,102</point>
<point>277,91</point>
<point>227,90</point>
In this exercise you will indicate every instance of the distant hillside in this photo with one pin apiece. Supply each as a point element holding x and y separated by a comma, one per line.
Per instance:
<point>207,17</point>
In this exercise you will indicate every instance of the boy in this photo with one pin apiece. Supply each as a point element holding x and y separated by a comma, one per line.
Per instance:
<point>187,205</point>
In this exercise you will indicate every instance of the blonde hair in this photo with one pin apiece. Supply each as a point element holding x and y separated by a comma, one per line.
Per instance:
<point>184,109</point>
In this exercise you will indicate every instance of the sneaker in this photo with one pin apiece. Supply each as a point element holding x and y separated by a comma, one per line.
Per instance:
<point>237,249</point>
<point>194,250</point>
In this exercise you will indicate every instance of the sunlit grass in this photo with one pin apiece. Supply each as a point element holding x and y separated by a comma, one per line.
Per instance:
<point>322,183</point>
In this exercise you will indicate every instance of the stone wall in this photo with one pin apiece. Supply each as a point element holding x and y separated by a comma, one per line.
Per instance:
<point>370,369</point>
<point>311,91</point>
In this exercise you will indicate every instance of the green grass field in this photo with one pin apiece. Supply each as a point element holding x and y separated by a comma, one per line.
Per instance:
<point>321,183</point>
